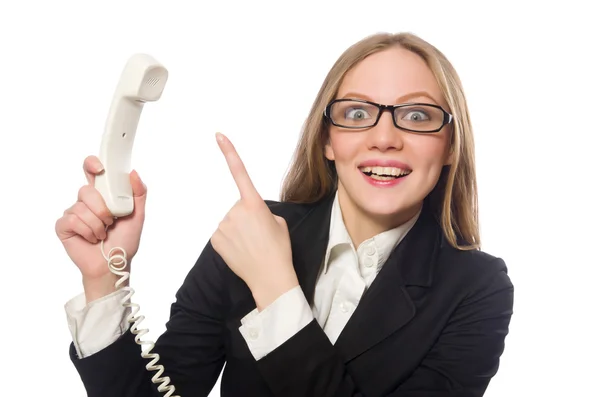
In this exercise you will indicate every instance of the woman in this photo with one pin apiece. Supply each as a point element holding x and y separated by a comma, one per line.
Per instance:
<point>365,280</point>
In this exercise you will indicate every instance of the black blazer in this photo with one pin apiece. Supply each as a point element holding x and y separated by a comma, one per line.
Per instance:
<point>433,323</point>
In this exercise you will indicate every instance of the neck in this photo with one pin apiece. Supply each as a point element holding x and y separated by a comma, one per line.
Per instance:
<point>362,225</point>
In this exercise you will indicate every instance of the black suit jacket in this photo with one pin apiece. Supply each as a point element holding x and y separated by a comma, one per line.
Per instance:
<point>433,323</point>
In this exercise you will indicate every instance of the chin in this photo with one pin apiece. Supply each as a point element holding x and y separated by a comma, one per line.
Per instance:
<point>388,206</point>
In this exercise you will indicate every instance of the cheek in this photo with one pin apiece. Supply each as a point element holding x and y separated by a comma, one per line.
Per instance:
<point>429,151</point>
<point>343,147</point>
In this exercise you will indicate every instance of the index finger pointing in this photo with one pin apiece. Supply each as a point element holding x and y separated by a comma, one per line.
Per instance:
<point>237,169</point>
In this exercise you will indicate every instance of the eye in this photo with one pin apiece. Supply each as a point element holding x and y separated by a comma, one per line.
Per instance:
<point>357,113</point>
<point>416,116</point>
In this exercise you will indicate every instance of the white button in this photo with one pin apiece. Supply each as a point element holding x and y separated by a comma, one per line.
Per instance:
<point>370,250</point>
<point>344,307</point>
<point>369,262</point>
<point>253,333</point>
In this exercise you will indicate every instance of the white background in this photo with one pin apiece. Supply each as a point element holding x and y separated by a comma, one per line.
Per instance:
<point>252,70</point>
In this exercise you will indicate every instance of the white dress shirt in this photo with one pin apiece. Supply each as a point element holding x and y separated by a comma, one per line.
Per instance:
<point>345,275</point>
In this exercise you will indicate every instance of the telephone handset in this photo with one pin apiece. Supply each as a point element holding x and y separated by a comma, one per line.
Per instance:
<point>143,80</point>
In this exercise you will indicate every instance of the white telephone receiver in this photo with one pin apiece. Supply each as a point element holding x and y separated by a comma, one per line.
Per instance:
<point>143,80</point>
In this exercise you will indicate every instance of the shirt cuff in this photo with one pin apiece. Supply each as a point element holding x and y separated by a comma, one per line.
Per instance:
<point>266,330</point>
<point>98,324</point>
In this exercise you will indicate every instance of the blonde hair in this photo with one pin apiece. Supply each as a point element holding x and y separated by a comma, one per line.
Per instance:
<point>311,177</point>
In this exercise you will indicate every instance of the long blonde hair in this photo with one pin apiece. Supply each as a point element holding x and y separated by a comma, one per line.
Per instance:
<point>311,177</point>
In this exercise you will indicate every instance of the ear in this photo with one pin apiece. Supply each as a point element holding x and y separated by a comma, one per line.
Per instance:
<point>329,151</point>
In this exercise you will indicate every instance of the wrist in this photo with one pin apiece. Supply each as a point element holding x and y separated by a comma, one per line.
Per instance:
<point>266,292</point>
<point>98,287</point>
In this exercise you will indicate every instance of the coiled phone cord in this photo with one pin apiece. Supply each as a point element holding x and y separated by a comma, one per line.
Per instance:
<point>117,262</point>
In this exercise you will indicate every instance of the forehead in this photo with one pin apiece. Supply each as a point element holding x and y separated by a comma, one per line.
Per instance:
<point>390,75</point>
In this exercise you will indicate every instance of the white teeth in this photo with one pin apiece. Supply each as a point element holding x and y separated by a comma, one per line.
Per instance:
<point>385,171</point>
<point>382,178</point>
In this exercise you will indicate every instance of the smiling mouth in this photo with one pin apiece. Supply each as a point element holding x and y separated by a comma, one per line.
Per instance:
<point>384,173</point>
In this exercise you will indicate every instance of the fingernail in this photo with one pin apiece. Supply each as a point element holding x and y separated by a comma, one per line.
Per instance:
<point>220,137</point>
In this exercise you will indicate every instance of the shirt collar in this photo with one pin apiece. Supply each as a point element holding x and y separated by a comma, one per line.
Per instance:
<point>385,242</point>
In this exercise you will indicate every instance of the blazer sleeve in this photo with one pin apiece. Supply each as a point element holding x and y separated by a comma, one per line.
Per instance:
<point>191,349</point>
<point>461,363</point>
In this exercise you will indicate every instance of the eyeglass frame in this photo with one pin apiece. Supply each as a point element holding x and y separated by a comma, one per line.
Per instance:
<point>391,108</point>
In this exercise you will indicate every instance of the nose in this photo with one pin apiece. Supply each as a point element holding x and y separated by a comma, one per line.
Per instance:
<point>385,136</point>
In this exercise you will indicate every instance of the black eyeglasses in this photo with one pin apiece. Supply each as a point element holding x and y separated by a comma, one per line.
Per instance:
<point>415,117</point>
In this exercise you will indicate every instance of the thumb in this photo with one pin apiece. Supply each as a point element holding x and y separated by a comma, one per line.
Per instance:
<point>139,188</point>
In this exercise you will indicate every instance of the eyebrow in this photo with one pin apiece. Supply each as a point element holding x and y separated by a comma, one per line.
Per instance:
<point>418,94</point>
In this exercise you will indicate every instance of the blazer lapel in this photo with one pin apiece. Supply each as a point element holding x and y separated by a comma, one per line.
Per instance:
<point>387,306</point>
<point>309,240</point>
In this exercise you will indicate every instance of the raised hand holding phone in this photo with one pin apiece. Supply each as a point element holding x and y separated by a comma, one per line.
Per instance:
<point>83,226</point>
<point>253,242</point>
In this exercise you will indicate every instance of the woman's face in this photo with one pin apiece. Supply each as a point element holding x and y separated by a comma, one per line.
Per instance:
<point>414,160</point>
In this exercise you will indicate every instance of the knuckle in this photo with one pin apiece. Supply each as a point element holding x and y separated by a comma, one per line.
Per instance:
<point>84,192</point>
<point>69,210</point>
<point>234,212</point>
<point>226,218</point>
<point>71,221</point>
<point>79,208</point>
<point>223,225</point>
<point>215,241</point>
<point>231,215</point>
<point>58,225</point>
<point>238,204</point>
